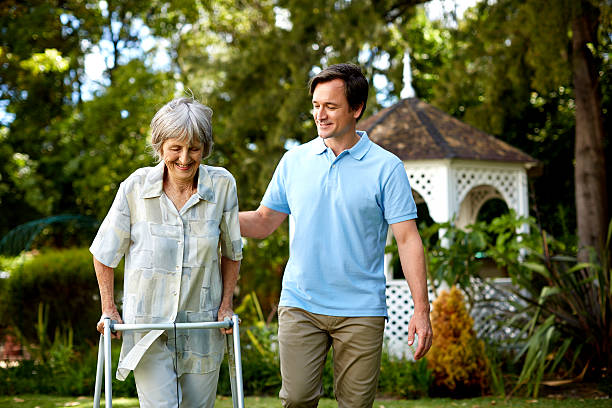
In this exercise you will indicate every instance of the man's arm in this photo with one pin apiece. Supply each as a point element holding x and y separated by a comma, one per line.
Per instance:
<point>260,223</point>
<point>412,258</point>
<point>106,278</point>
<point>229,273</point>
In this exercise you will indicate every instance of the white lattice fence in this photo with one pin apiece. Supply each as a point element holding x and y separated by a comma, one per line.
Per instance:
<point>492,303</point>
<point>400,308</point>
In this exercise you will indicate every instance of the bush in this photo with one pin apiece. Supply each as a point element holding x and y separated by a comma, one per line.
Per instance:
<point>64,284</point>
<point>457,358</point>
<point>66,372</point>
<point>404,378</point>
<point>260,362</point>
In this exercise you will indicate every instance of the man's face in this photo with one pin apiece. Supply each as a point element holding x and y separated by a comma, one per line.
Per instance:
<point>331,111</point>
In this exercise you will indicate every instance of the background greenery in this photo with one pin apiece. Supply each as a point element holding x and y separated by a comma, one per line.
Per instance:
<point>66,143</point>
<point>506,67</point>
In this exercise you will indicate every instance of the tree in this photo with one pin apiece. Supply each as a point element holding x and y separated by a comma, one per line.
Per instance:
<point>251,61</point>
<point>63,152</point>
<point>590,176</point>
<point>41,57</point>
<point>513,73</point>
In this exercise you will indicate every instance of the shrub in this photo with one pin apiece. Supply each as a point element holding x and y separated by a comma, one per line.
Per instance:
<point>259,350</point>
<point>66,372</point>
<point>64,284</point>
<point>404,378</point>
<point>457,357</point>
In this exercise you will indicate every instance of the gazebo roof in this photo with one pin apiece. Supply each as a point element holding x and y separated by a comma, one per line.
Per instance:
<point>414,130</point>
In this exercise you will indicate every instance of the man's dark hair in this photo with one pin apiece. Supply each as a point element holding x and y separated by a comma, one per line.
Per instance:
<point>355,83</point>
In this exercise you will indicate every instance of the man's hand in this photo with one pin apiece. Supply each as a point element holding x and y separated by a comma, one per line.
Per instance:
<point>421,325</point>
<point>114,315</point>
<point>225,312</point>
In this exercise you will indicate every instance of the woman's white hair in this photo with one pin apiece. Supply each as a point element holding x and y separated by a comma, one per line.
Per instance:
<point>185,119</point>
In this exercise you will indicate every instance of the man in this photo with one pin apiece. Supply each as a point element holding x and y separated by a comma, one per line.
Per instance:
<point>343,192</point>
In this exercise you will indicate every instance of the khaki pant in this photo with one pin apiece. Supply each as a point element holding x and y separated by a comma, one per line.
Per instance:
<point>156,382</point>
<point>304,340</point>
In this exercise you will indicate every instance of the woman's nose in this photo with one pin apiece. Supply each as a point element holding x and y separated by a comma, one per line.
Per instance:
<point>184,155</point>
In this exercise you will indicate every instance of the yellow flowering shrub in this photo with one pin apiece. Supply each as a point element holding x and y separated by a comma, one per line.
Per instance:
<point>457,357</point>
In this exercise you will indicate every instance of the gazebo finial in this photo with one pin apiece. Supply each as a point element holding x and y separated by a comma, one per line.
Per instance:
<point>407,90</point>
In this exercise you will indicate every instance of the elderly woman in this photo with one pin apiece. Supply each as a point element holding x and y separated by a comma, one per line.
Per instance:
<point>177,225</point>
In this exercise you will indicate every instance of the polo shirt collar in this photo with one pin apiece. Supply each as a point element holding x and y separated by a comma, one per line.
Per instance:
<point>154,183</point>
<point>361,147</point>
<point>357,152</point>
<point>318,146</point>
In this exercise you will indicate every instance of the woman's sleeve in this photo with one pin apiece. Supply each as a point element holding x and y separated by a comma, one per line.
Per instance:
<point>231,241</point>
<point>113,237</point>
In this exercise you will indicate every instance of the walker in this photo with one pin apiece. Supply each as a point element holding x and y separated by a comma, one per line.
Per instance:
<point>104,355</point>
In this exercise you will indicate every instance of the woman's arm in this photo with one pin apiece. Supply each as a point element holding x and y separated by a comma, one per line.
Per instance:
<point>229,273</point>
<point>105,275</point>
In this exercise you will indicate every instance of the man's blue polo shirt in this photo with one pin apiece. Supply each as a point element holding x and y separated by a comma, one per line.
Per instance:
<point>342,207</point>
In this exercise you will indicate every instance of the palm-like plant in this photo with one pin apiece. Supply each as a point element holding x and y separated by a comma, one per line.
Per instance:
<point>560,308</point>
<point>569,305</point>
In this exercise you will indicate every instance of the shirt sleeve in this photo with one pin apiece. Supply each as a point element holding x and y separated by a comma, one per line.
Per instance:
<point>113,237</point>
<point>275,197</point>
<point>398,203</point>
<point>231,241</point>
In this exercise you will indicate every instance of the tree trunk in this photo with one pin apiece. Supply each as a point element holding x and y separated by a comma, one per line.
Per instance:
<point>590,170</point>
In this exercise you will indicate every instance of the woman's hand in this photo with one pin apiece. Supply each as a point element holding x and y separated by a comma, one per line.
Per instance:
<point>114,315</point>
<point>225,312</point>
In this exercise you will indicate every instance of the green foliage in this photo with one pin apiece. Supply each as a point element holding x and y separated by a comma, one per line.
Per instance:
<point>404,378</point>
<point>496,360</point>
<point>119,117</point>
<point>509,73</point>
<point>561,308</point>
<point>259,349</point>
<point>457,357</point>
<point>41,71</point>
<point>40,233</point>
<point>59,290</point>
<point>67,372</point>
<point>262,268</point>
<point>569,305</point>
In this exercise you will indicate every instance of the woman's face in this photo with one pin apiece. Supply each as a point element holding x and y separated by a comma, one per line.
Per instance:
<point>182,159</point>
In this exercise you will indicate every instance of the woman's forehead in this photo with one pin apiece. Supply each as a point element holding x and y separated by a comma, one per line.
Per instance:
<point>183,141</point>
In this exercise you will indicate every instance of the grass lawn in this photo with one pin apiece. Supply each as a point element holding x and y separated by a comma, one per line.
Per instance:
<point>43,401</point>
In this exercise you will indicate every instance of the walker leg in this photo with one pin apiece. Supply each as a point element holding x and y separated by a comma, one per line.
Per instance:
<point>99,369</point>
<point>237,359</point>
<point>231,362</point>
<point>108,376</point>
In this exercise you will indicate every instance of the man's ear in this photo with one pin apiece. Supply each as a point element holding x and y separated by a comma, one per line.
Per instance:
<point>357,112</point>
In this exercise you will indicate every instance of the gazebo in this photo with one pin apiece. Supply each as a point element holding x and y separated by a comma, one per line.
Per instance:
<point>454,169</point>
